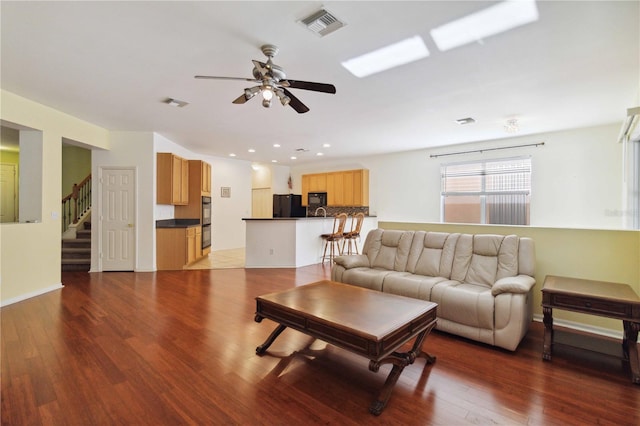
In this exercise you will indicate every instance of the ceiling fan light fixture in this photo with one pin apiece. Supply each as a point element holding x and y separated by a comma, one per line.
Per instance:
<point>284,99</point>
<point>267,93</point>
<point>266,103</point>
<point>250,93</point>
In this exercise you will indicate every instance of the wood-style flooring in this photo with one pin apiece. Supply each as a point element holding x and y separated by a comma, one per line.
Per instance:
<point>178,347</point>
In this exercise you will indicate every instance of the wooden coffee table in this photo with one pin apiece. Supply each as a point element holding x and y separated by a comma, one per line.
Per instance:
<point>366,322</point>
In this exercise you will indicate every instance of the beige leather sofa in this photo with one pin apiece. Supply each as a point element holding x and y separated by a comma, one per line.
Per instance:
<point>482,283</point>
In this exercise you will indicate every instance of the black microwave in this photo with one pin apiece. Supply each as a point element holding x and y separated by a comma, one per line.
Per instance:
<point>317,199</point>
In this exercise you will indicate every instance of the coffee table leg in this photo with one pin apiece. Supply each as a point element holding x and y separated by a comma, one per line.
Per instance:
<point>399,360</point>
<point>548,333</point>
<point>273,336</point>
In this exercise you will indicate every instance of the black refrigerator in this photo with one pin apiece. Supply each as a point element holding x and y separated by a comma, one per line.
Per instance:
<point>288,205</point>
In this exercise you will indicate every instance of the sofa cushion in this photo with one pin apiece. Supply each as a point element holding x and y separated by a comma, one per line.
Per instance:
<point>432,254</point>
<point>366,277</point>
<point>410,285</point>
<point>392,252</point>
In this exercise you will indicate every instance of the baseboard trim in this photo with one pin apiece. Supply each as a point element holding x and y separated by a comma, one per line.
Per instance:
<point>601,331</point>
<point>30,295</point>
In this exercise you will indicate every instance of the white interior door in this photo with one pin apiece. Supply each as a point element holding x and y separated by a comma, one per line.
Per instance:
<point>8,193</point>
<point>117,242</point>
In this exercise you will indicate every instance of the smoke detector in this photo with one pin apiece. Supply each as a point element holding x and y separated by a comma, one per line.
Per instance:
<point>322,23</point>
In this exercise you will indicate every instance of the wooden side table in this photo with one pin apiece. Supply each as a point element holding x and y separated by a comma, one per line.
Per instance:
<point>605,299</point>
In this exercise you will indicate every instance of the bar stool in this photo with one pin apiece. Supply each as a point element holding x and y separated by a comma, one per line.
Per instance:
<point>335,238</point>
<point>354,234</point>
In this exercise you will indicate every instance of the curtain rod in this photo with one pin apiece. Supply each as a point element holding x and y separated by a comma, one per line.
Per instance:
<point>487,149</point>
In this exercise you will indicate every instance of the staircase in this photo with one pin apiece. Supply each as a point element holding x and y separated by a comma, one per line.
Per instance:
<point>76,253</point>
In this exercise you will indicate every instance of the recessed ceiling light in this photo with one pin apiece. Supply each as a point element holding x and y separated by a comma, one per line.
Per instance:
<point>232,155</point>
<point>319,154</point>
<point>294,157</point>
<point>252,150</point>
<point>326,145</point>
<point>276,145</point>
<point>493,20</point>
<point>175,102</point>
<point>274,161</point>
<point>391,56</point>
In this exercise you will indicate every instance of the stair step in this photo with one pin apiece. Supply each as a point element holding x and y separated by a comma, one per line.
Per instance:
<point>76,253</point>
<point>76,243</point>
<point>76,261</point>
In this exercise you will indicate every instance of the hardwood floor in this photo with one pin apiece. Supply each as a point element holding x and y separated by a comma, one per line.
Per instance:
<point>178,347</point>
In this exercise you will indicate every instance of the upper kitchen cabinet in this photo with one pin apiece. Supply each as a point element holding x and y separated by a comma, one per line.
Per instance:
<point>205,177</point>
<point>343,188</point>
<point>199,186</point>
<point>172,179</point>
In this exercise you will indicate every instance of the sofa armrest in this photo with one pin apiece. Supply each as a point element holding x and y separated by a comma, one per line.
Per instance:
<point>352,261</point>
<point>517,284</point>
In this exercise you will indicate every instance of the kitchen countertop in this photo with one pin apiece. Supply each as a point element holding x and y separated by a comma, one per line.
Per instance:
<point>177,223</point>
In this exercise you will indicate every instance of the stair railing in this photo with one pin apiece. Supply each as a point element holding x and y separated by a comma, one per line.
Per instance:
<point>77,203</point>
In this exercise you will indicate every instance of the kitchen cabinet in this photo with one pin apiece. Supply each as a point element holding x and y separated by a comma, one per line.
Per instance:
<point>205,178</point>
<point>199,186</point>
<point>344,188</point>
<point>177,247</point>
<point>172,179</point>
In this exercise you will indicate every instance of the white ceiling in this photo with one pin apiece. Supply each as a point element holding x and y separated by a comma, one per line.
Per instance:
<point>113,63</point>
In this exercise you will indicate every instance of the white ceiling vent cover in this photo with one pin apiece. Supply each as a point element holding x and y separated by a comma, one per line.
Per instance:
<point>322,23</point>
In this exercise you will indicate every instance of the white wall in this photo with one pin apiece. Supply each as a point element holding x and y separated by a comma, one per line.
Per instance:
<point>21,243</point>
<point>130,150</point>
<point>227,227</point>
<point>576,178</point>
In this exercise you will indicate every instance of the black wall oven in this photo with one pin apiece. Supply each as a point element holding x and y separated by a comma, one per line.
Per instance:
<point>206,222</point>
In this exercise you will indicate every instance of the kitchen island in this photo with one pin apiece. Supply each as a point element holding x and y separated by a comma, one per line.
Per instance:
<point>292,242</point>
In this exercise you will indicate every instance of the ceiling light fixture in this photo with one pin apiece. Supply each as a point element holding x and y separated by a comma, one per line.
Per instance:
<point>511,126</point>
<point>496,19</point>
<point>391,56</point>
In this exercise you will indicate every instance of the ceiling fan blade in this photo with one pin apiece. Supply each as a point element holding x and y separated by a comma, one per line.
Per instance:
<point>308,85</point>
<point>211,77</point>
<point>295,103</point>
<point>240,99</point>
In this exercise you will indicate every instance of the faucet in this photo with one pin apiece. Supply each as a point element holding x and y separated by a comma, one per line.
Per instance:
<point>321,208</point>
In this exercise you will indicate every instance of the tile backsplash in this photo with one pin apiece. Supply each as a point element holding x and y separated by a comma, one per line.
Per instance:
<point>332,211</point>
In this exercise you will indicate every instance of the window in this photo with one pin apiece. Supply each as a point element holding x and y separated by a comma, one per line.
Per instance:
<point>490,192</point>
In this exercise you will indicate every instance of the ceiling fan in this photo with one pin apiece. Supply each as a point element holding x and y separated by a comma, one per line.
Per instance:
<point>272,81</point>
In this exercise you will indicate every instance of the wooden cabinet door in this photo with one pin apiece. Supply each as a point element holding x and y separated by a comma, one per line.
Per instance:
<point>305,190</point>
<point>171,248</point>
<point>198,242</point>
<point>318,182</point>
<point>191,245</point>
<point>205,179</point>
<point>184,182</point>
<point>335,189</point>
<point>348,187</point>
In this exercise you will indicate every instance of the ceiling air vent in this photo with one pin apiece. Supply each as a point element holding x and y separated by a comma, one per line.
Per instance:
<point>322,23</point>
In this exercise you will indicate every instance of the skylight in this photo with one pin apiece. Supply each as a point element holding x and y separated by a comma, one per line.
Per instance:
<point>485,23</point>
<point>391,56</point>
